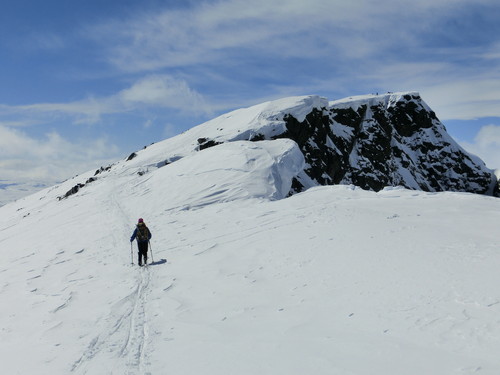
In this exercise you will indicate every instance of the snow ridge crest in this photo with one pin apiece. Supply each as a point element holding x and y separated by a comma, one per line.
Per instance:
<point>370,141</point>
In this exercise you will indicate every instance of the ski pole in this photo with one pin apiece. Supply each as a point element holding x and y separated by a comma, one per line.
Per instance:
<point>150,248</point>
<point>131,253</point>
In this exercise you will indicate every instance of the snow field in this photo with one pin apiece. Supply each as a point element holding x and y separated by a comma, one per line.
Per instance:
<point>337,300</point>
<point>334,280</point>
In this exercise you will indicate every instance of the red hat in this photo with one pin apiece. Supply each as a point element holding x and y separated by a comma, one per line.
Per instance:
<point>141,220</point>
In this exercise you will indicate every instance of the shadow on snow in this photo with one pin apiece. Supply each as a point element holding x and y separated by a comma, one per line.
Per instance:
<point>161,261</point>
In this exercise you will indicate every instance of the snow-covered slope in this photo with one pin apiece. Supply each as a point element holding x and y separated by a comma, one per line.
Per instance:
<point>334,280</point>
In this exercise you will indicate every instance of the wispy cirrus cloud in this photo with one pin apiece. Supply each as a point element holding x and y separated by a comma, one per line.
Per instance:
<point>207,32</point>
<point>234,48</point>
<point>359,44</point>
<point>212,31</point>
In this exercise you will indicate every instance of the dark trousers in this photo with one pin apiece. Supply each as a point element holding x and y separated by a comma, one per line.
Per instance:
<point>143,252</point>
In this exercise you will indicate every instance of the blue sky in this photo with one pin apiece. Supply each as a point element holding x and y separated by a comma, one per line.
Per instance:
<point>84,83</point>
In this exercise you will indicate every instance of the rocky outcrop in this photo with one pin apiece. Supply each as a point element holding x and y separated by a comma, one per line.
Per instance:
<point>391,140</point>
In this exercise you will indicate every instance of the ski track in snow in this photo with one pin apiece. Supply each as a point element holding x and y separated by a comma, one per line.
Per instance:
<point>126,334</point>
<point>135,347</point>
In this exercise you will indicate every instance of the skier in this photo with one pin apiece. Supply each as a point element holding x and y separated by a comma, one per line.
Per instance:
<point>143,235</point>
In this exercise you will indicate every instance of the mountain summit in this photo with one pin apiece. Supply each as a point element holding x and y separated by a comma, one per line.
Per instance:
<point>369,141</point>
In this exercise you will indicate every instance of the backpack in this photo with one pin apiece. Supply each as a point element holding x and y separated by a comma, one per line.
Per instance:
<point>142,233</point>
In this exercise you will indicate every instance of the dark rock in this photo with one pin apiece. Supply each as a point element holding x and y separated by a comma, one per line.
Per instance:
<point>75,189</point>
<point>72,191</point>
<point>204,143</point>
<point>257,137</point>
<point>102,169</point>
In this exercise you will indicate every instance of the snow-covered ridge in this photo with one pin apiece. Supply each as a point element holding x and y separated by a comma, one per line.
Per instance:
<point>265,120</point>
<point>387,99</point>
<point>370,141</point>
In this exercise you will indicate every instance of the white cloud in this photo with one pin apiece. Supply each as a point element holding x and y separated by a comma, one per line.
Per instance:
<point>17,123</point>
<point>87,110</point>
<point>163,91</point>
<point>492,53</point>
<point>49,159</point>
<point>486,145</point>
<point>160,91</point>
<point>472,98</point>
<point>148,123</point>
<point>453,91</point>
<point>489,135</point>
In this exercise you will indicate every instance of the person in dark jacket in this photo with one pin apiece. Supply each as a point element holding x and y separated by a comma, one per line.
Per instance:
<point>143,235</point>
